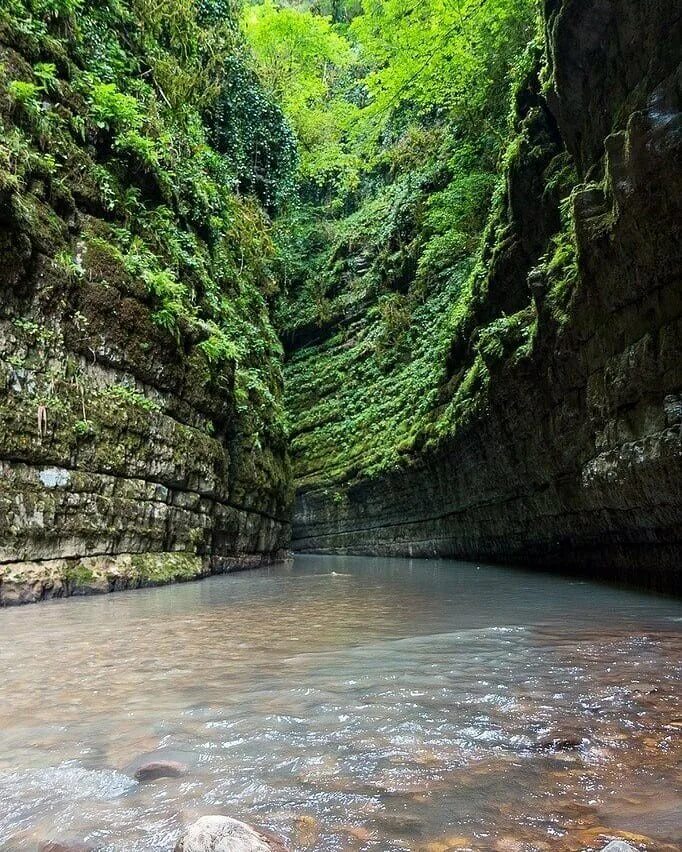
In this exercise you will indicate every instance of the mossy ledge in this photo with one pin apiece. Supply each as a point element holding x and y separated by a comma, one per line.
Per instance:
<point>29,582</point>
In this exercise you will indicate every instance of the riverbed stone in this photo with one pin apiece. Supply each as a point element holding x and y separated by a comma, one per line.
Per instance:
<point>224,834</point>
<point>65,846</point>
<point>644,688</point>
<point>559,740</point>
<point>155,769</point>
<point>618,846</point>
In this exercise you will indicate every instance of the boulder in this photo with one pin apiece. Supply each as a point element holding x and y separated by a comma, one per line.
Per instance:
<point>619,846</point>
<point>223,834</point>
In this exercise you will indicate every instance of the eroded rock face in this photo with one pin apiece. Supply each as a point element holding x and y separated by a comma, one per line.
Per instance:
<point>223,834</point>
<point>570,456</point>
<point>140,475</point>
<point>125,457</point>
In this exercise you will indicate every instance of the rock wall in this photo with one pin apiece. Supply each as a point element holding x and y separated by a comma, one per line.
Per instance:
<point>128,456</point>
<point>99,457</point>
<point>568,453</point>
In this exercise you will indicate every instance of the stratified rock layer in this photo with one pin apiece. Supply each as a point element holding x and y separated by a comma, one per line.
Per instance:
<point>570,454</point>
<point>99,460</point>
<point>128,450</point>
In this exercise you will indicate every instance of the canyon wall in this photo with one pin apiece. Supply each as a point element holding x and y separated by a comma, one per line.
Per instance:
<point>563,393</point>
<point>134,336</point>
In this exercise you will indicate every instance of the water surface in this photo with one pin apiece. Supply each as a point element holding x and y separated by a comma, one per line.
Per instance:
<point>347,704</point>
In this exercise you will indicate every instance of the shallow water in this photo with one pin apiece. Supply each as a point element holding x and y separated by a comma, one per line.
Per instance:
<point>391,705</point>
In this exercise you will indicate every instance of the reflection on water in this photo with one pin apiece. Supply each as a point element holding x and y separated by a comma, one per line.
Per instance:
<point>347,704</point>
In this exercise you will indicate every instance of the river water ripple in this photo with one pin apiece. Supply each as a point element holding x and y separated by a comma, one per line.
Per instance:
<point>347,704</point>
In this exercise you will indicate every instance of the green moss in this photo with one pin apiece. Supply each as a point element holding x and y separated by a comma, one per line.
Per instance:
<point>167,567</point>
<point>121,394</point>
<point>79,575</point>
<point>560,267</point>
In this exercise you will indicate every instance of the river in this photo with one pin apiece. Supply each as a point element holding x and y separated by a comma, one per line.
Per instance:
<point>347,703</point>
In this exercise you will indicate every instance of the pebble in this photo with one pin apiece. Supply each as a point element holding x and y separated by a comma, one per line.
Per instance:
<point>307,829</point>
<point>643,688</point>
<point>357,832</point>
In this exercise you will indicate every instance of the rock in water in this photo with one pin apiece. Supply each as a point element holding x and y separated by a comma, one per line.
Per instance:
<point>223,834</point>
<point>559,741</point>
<point>160,769</point>
<point>65,846</point>
<point>619,846</point>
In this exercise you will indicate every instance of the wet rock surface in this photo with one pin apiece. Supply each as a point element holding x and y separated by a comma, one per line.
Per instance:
<point>560,740</point>
<point>155,769</point>
<point>224,834</point>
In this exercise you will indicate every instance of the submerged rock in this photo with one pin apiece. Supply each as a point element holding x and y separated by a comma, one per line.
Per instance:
<point>224,834</point>
<point>559,740</point>
<point>65,846</point>
<point>638,688</point>
<point>160,769</point>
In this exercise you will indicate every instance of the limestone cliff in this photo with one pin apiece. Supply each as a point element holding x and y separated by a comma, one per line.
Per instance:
<point>140,420</point>
<point>562,395</point>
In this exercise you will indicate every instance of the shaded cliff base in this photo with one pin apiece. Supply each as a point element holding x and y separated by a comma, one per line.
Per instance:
<point>652,567</point>
<point>30,582</point>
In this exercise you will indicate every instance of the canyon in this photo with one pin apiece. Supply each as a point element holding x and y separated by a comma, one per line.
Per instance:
<point>132,454</point>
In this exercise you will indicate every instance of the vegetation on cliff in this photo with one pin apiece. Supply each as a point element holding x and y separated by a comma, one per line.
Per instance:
<point>140,162</point>
<point>334,165</point>
<point>402,115</point>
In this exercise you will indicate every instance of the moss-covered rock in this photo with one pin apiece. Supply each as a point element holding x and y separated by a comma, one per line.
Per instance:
<point>140,375</point>
<point>555,438</point>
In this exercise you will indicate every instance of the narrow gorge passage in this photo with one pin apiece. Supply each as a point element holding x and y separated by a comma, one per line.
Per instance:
<point>381,301</point>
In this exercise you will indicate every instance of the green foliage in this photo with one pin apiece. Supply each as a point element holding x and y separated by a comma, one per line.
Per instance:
<point>401,112</point>
<point>124,394</point>
<point>560,265</point>
<point>112,110</point>
<point>302,62</point>
<point>441,56</point>
<point>250,130</point>
<point>84,428</point>
<point>46,73</point>
<point>24,93</point>
<point>118,111</point>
